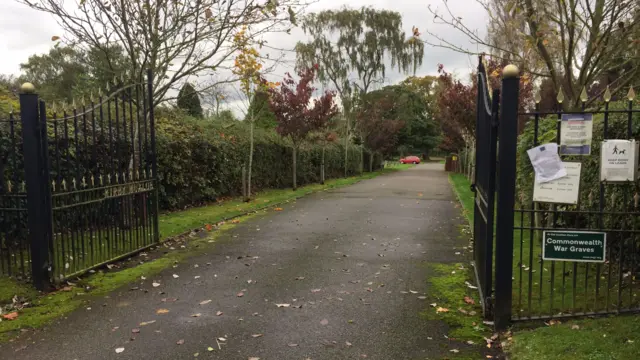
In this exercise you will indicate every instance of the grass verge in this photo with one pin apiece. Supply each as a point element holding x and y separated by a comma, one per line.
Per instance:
<point>448,291</point>
<point>452,300</point>
<point>44,308</point>
<point>610,338</point>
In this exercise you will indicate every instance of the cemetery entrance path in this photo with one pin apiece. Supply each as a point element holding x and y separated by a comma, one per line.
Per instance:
<point>347,267</point>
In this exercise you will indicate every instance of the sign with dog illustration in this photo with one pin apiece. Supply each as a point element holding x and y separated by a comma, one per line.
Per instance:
<point>619,160</point>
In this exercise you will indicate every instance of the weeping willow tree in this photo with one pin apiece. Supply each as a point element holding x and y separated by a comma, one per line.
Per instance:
<point>353,48</point>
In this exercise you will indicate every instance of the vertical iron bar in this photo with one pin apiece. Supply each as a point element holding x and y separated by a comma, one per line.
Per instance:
<point>634,249</point>
<point>154,162</point>
<point>602,206</point>
<point>15,200</point>
<point>532,220</point>
<point>46,187</point>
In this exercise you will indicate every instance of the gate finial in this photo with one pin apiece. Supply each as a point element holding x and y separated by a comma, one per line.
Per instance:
<point>510,71</point>
<point>28,88</point>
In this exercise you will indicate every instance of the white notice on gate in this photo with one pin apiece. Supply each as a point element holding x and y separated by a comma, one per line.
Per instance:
<point>618,160</point>
<point>546,162</point>
<point>564,190</point>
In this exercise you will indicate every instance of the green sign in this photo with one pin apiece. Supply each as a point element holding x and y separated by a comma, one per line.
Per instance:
<point>583,246</point>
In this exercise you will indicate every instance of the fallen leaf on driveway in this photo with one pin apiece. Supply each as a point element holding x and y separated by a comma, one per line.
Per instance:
<point>257,335</point>
<point>175,276</point>
<point>413,291</point>
<point>222,339</point>
<point>240,294</point>
<point>469,300</point>
<point>180,342</point>
<point>293,345</point>
<point>347,343</point>
<point>422,297</point>
<point>433,305</point>
<point>144,323</point>
<point>205,302</point>
<point>254,358</point>
<point>162,311</point>
<point>315,290</point>
<point>196,315</point>
<point>155,284</point>
<point>119,350</point>
<point>455,351</point>
<point>441,309</point>
<point>278,209</point>
<point>135,331</point>
<point>10,316</point>
<point>283,305</point>
<point>219,313</point>
<point>169,300</point>
<point>324,322</point>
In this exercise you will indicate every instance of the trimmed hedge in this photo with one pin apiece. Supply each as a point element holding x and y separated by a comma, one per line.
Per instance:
<point>200,161</point>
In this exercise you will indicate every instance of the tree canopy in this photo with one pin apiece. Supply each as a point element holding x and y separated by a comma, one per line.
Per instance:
<point>357,41</point>
<point>175,39</point>
<point>189,101</point>
<point>67,72</point>
<point>574,43</point>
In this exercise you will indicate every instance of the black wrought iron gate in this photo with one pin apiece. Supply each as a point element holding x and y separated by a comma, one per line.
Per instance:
<point>484,186</point>
<point>79,182</point>
<point>526,282</point>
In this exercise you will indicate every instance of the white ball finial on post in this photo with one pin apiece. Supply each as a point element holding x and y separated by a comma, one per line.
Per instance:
<point>28,88</point>
<point>510,71</point>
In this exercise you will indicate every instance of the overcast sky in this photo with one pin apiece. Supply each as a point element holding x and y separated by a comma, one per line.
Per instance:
<point>24,32</point>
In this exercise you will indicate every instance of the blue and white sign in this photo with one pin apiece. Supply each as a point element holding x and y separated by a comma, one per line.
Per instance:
<point>576,131</point>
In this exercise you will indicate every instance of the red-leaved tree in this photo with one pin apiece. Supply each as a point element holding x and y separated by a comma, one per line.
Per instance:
<point>456,104</point>
<point>377,126</point>
<point>296,114</point>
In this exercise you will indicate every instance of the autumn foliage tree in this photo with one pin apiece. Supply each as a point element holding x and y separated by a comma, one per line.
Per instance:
<point>296,114</point>
<point>377,127</point>
<point>456,103</point>
<point>247,66</point>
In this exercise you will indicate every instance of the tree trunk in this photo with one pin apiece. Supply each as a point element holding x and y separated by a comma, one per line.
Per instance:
<point>322,167</point>
<point>371,162</point>
<point>295,173</point>
<point>248,197</point>
<point>244,182</point>
<point>346,149</point>
<point>361,159</point>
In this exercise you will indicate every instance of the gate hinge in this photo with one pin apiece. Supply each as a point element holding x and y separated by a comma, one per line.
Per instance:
<point>473,188</point>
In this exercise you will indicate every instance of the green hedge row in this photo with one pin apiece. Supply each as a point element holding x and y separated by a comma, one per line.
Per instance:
<point>200,161</point>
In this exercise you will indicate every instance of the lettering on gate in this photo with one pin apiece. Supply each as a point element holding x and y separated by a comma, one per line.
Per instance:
<point>584,246</point>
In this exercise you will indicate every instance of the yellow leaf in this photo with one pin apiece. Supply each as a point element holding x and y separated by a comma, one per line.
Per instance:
<point>162,311</point>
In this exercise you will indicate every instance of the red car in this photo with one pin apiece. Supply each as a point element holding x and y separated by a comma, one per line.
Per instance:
<point>410,160</point>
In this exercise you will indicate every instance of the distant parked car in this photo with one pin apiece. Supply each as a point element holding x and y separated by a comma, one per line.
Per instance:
<point>410,160</point>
